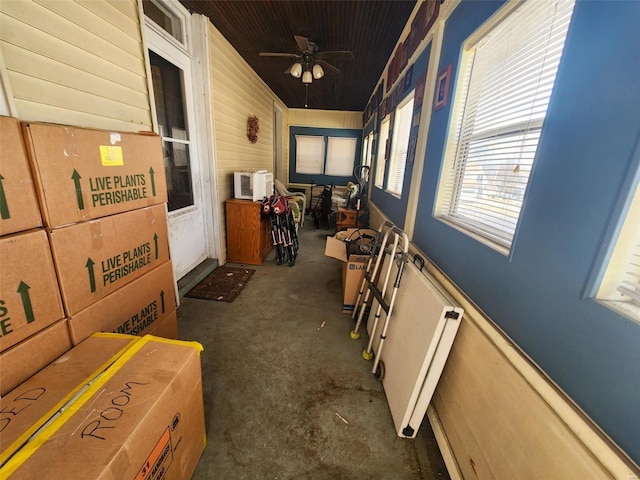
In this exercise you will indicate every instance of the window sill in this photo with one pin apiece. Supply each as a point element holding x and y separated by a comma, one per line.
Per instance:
<point>627,309</point>
<point>476,236</point>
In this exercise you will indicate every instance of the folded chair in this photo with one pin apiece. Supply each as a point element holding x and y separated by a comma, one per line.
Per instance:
<point>297,197</point>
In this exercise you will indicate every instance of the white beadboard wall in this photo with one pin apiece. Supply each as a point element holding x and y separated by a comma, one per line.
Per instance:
<point>76,62</point>
<point>239,93</point>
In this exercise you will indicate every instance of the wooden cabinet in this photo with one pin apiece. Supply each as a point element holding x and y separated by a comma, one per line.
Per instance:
<point>248,232</point>
<point>346,218</point>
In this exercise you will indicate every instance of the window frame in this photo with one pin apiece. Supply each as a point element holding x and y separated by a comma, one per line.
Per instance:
<point>497,225</point>
<point>325,133</point>
<point>623,255</point>
<point>395,139</point>
<point>383,151</point>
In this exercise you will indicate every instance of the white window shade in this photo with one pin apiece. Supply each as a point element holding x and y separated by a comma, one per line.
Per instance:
<point>381,157</point>
<point>505,85</point>
<point>398,161</point>
<point>365,150</point>
<point>309,154</point>
<point>341,155</point>
<point>367,159</point>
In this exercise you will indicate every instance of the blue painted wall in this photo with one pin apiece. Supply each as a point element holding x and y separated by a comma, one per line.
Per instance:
<point>395,208</point>
<point>588,150</point>
<point>326,132</point>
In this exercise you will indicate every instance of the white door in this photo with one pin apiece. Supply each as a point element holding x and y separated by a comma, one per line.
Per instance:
<point>167,33</point>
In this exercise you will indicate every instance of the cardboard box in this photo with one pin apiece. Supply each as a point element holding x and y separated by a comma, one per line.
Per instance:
<point>353,267</point>
<point>143,418</point>
<point>166,328</point>
<point>95,258</point>
<point>29,294</point>
<point>81,174</point>
<point>134,309</point>
<point>28,407</point>
<point>19,208</point>
<point>31,355</point>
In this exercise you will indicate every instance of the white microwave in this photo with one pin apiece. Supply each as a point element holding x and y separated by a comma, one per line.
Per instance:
<point>253,185</point>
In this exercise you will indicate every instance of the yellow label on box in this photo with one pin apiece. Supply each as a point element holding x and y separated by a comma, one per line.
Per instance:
<point>111,156</point>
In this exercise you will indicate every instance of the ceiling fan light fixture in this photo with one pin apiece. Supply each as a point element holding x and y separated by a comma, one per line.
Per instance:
<point>307,77</point>
<point>318,72</point>
<point>296,70</point>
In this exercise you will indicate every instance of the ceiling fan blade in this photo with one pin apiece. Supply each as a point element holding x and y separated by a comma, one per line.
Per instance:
<point>328,67</point>
<point>272,54</point>
<point>338,55</point>
<point>303,43</point>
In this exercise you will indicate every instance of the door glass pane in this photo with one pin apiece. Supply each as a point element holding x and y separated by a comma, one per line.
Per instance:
<point>163,18</point>
<point>167,93</point>
<point>178,171</point>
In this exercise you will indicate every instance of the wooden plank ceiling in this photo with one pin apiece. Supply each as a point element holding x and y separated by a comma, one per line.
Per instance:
<point>368,28</point>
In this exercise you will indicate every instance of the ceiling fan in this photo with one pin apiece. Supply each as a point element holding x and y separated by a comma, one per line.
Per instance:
<point>310,61</point>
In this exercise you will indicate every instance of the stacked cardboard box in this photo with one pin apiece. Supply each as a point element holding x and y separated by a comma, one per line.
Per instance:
<point>82,174</point>
<point>102,196</point>
<point>19,210</point>
<point>115,406</point>
<point>84,241</point>
<point>31,314</point>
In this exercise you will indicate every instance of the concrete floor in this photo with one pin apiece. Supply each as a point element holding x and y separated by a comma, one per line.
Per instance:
<point>287,394</point>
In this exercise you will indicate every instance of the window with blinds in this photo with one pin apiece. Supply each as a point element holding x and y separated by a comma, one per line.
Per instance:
<point>504,86</point>
<point>309,154</point>
<point>382,153</point>
<point>370,145</point>
<point>620,288</point>
<point>398,157</point>
<point>341,156</point>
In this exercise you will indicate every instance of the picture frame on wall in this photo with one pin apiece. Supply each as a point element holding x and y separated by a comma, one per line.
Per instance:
<point>397,94</point>
<point>442,89</point>
<point>404,55</point>
<point>432,8</point>
<point>415,35</point>
<point>417,111</point>
<point>419,93</point>
<point>397,60</point>
<point>407,79</point>
<point>411,149</point>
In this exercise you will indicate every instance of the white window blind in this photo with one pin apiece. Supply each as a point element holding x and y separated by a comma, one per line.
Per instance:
<point>369,155</point>
<point>620,287</point>
<point>341,155</point>
<point>381,157</point>
<point>365,150</point>
<point>505,84</point>
<point>309,154</point>
<point>398,160</point>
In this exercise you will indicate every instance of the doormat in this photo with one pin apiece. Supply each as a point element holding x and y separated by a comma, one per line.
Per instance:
<point>224,284</point>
